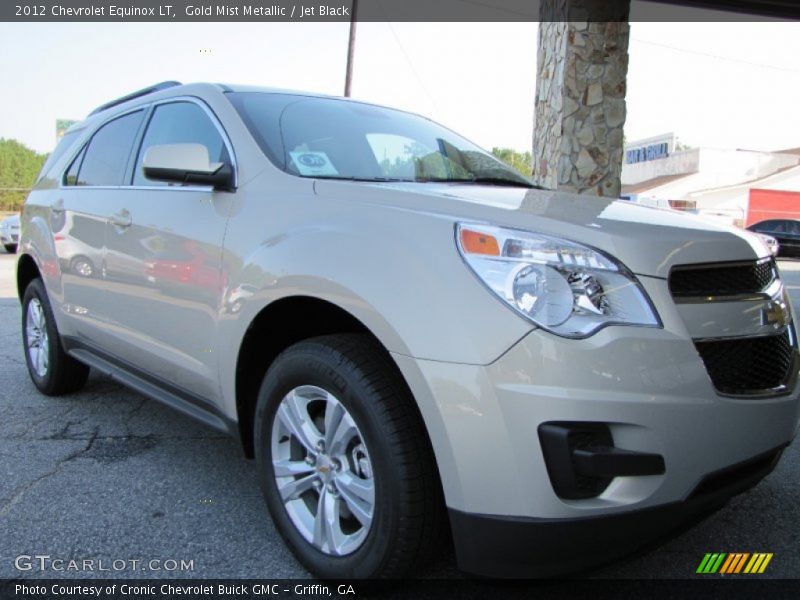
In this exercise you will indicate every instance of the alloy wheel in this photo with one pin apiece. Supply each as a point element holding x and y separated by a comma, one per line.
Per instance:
<point>36,337</point>
<point>322,470</point>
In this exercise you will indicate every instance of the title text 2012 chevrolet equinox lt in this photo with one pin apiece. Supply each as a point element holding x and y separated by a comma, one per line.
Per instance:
<point>411,339</point>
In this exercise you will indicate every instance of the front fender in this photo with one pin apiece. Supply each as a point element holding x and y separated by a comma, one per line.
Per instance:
<point>395,270</point>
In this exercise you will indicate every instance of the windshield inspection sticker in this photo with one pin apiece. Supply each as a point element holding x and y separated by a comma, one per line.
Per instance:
<point>313,163</point>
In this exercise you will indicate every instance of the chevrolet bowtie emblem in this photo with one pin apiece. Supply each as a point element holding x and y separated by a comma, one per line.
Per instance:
<point>775,314</point>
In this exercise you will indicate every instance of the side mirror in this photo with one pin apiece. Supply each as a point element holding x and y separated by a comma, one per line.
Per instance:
<point>186,163</point>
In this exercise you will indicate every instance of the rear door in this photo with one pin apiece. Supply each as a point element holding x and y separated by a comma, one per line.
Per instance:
<point>78,218</point>
<point>163,258</point>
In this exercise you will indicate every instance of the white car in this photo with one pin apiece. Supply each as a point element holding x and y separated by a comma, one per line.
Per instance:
<point>9,233</point>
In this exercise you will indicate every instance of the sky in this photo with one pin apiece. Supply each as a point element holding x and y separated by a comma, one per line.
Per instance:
<point>724,85</point>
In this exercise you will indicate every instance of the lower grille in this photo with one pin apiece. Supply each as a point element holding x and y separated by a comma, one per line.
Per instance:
<point>749,366</point>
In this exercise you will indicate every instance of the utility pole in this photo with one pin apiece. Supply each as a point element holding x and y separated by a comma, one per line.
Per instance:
<point>351,49</point>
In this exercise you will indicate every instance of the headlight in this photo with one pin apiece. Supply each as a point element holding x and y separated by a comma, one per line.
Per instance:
<point>563,287</point>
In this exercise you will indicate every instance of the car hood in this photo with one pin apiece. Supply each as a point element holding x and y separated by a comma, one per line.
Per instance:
<point>648,241</point>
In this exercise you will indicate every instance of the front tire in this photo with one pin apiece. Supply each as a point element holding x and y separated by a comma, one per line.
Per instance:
<point>51,369</point>
<point>344,461</point>
<point>10,248</point>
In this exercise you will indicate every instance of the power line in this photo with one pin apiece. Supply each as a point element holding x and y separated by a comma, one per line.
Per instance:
<point>411,66</point>
<point>407,57</point>
<point>717,56</point>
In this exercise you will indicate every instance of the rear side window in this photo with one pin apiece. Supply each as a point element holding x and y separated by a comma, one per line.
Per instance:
<point>107,155</point>
<point>71,177</point>
<point>180,123</point>
<point>63,145</point>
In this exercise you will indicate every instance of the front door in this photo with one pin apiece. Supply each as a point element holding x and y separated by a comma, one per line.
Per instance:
<point>163,260</point>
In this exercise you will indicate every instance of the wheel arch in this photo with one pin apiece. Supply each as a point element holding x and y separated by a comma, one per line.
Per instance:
<point>27,271</point>
<point>276,327</point>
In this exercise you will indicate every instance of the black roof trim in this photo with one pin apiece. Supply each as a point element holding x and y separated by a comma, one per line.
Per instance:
<point>164,85</point>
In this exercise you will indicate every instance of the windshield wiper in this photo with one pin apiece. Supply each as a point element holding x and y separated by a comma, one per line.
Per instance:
<point>368,179</point>
<point>481,180</point>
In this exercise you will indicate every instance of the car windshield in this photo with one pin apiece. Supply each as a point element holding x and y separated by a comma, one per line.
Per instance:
<point>339,139</point>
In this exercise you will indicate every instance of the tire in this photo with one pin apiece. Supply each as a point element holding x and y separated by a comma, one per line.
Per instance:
<point>10,248</point>
<point>55,372</point>
<point>82,266</point>
<point>407,516</point>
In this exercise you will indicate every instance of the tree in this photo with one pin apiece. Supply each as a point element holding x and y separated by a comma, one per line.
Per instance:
<point>521,161</point>
<point>19,167</point>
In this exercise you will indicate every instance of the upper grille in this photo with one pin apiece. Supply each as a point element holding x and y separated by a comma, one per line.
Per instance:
<point>751,365</point>
<point>722,280</point>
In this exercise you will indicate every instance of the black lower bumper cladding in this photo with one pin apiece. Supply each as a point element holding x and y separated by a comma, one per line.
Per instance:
<point>510,547</point>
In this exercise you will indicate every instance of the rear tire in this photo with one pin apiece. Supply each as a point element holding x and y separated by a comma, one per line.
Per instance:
<point>82,265</point>
<point>10,248</point>
<point>51,369</point>
<point>388,453</point>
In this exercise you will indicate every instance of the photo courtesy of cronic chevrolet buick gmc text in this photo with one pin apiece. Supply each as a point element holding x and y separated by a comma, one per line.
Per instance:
<point>411,339</point>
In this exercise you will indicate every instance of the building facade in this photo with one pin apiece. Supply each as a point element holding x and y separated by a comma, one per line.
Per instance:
<point>737,187</point>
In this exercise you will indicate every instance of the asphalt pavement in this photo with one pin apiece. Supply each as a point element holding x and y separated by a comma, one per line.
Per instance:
<point>106,475</point>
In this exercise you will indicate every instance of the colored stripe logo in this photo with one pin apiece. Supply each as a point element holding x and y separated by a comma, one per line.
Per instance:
<point>734,563</point>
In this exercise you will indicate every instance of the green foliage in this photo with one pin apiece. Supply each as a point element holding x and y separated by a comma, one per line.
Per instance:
<point>417,162</point>
<point>521,161</point>
<point>19,167</point>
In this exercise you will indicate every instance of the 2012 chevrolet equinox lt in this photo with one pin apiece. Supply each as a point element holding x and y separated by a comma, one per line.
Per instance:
<point>411,339</point>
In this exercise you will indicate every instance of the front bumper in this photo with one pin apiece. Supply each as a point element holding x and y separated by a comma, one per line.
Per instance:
<point>652,391</point>
<point>493,546</point>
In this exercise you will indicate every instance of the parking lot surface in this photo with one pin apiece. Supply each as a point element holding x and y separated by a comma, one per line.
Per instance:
<point>107,475</point>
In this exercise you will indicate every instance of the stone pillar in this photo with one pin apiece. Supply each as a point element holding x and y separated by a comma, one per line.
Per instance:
<point>580,95</point>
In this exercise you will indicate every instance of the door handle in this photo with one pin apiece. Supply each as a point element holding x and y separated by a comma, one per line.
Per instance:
<point>122,219</point>
<point>57,206</point>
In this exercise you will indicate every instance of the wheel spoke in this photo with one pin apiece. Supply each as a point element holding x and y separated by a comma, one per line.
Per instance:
<point>334,412</point>
<point>298,426</point>
<point>40,361</point>
<point>342,435</point>
<point>285,468</point>
<point>37,315</point>
<point>363,489</point>
<point>295,488</point>
<point>353,495</point>
<point>328,534</point>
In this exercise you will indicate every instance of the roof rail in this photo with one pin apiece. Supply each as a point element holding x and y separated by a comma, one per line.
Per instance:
<point>164,85</point>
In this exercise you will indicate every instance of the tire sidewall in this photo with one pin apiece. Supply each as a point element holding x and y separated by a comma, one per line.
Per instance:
<point>310,367</point>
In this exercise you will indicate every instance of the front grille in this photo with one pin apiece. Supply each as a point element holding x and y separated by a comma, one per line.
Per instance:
<point>749,366</point>
<point>722,280</point>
